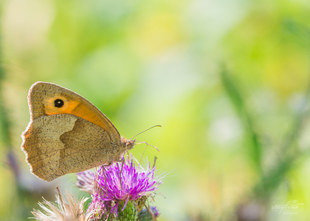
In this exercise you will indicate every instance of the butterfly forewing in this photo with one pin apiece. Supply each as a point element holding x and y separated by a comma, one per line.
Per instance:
<point>67,133</point>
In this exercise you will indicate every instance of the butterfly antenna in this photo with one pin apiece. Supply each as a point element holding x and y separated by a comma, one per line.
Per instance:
<point>145,130</point>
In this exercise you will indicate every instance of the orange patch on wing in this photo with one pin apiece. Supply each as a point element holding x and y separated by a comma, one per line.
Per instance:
<point>75,108</point>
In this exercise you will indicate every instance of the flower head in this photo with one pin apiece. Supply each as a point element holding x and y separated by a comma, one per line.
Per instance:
<point>62,211</point>
<point>120,183</point>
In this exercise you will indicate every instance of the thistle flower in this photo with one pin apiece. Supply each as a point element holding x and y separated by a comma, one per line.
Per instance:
<point>118,186</point>
<point>71,210</point>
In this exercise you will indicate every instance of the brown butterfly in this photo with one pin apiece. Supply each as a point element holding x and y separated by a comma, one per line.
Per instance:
<point>68,134</point>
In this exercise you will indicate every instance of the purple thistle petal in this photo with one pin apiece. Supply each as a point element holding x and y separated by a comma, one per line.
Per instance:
<point>125,203</point>
<point>122,182</point>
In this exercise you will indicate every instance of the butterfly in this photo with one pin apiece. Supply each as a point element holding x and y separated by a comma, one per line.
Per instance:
<point>67,133</point>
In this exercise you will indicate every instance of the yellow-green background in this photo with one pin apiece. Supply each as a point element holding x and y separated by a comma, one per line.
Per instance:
<point>226,79</point>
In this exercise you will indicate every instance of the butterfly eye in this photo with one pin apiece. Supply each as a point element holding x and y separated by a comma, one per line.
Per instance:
<point>58,103</point>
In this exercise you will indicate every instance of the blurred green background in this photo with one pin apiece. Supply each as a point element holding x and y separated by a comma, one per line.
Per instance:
<point>228,80</point>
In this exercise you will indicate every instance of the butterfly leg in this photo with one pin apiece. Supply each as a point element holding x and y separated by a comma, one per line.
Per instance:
<point>120,174</point>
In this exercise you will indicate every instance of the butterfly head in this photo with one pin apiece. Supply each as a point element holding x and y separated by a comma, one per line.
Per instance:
<point>128,144</point>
